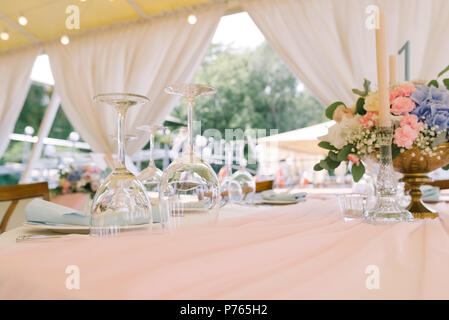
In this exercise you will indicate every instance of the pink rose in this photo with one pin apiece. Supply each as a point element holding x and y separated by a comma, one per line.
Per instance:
<point>342,112</point>
<point>402,105</point>
<point>368,120</point>
<point>354,159</point>
<point>65,187</point>
<point>412,121</point>
<point>86,176</point>
<point>405,90</point>
<point>404,136</point>
<point>394,93</point>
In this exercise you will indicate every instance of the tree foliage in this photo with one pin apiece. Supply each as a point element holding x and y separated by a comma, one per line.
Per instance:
<point>34,109</point>
<point>255,90</point>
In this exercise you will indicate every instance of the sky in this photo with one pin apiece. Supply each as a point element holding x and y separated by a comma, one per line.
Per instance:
<point>236,30</point>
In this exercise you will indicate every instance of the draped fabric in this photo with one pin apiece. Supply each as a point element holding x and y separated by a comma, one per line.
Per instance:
<point>141,58</point>
<point>327,45</point>
<point>303,251</point>
<point>15,69</point>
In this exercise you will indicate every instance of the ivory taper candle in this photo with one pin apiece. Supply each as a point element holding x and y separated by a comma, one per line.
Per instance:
<point>392,69</point>
<point>382,69</point>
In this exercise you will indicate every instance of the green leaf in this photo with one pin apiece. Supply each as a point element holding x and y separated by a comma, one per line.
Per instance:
<point>433,83</point>
<point>317,167</point>
<point>366,85</point>
<point>446,83</point>
<point>323,164</point>
<point>332,164</point>
<point>444,71</point>
<point>343,154</point>
<point>333,156</point>
<point>395,150</point>
<point>359,106</point>
<point>330,110</point>
<point>358,92</point>
<point>326,145</point>
<point>446,167</point>
<point>358,171</point>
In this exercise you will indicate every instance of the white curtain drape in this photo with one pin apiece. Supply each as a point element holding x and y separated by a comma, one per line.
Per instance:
<point>15,69</point>
<point>326,44</point>
<point>140,58</point>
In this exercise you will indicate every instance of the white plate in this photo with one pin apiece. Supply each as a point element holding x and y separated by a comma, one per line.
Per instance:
<point>278,202</point>
<point>66,228</point>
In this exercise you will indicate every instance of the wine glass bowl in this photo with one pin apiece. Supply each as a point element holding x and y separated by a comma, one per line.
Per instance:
<point>247,184</point>
<point>188,185</point>
<point>121,202</point>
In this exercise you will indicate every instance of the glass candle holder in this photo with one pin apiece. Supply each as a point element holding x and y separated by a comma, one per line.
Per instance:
<point>352,205</point>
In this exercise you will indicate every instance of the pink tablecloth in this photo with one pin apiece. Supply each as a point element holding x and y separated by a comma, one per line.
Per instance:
<point>294,252</point>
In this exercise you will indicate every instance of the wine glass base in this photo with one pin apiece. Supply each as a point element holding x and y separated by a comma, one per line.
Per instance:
<point>387,210</point>
<point>115,230</point>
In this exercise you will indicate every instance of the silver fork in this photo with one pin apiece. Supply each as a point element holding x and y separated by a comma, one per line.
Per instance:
<point>22,237</point>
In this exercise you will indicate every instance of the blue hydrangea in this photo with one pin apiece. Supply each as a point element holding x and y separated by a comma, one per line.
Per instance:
<point>432,106</point>
<point>75,175</point>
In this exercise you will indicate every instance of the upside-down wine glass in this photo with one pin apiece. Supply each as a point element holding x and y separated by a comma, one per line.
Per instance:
<point>231,191</point>
<point>121,202</point>
<point>243,177</point>
<point>151,175</point>
<point>188,184</point>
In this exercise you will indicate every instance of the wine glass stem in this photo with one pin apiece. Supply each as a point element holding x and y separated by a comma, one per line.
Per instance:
<point>151,150</point>
<point>121,137</point>
<point>190,103</point>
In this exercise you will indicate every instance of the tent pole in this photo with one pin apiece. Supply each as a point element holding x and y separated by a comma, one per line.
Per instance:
<point>44,130</point>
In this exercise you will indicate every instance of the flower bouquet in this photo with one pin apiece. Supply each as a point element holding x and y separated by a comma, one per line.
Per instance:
<point>85,179</point>
<point>420,116</point>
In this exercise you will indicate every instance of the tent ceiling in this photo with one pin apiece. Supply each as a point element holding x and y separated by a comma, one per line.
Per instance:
<point>304,140</point>
<point>46,18</point>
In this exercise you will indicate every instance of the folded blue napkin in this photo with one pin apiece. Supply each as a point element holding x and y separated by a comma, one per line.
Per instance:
<point>41,211</point>
<point>270,195</point>
<point>430,193</point>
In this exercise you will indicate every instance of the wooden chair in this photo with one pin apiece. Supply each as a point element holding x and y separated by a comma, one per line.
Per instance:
<point>260,186</point>
<point>19,192</point>
<point>442,184</point>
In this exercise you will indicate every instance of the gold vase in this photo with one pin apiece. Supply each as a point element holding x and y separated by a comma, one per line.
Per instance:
<point>415,166</point>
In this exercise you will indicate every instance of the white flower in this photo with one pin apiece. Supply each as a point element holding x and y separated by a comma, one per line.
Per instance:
<point>338,133</point>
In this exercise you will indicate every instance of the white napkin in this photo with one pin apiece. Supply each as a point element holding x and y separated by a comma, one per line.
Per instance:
<point>41,211</point>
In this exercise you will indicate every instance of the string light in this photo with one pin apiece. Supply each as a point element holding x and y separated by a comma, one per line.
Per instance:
<point>4,35</point>
<point>23,20</point>
<point>192,19</point>
<point>65,40</point>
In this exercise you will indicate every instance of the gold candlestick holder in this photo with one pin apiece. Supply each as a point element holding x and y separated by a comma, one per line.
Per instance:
<point>415,165</point>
